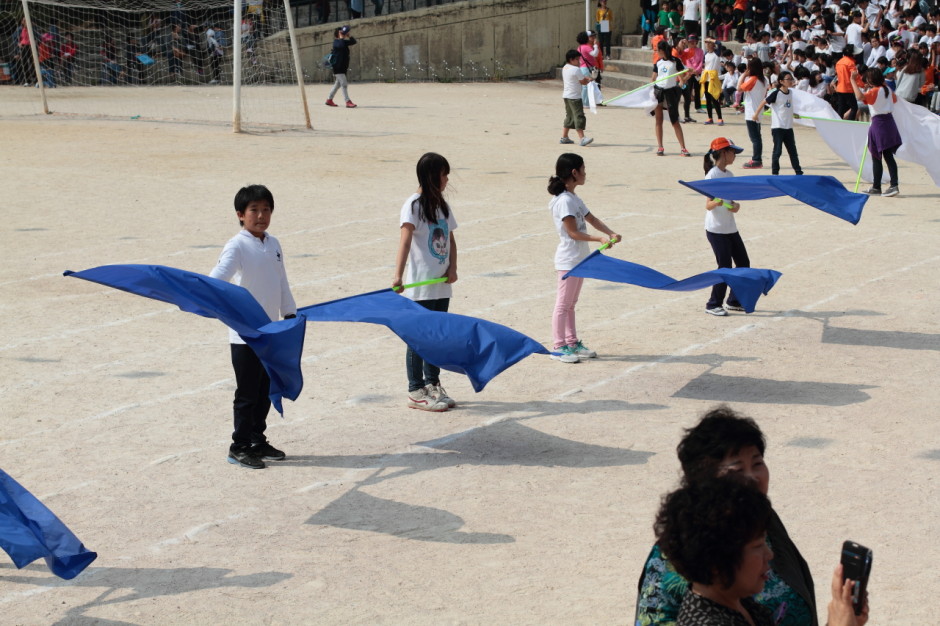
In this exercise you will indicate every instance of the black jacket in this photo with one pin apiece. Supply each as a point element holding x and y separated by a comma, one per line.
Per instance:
<point>341,54</point>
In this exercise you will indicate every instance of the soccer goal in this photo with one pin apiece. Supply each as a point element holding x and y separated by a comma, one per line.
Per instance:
<point>200,61</point>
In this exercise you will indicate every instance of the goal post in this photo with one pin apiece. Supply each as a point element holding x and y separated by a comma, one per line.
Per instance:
<point>165,60</point>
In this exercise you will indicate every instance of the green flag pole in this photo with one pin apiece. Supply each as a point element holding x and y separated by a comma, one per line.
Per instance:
<point>422,283</point>
<point>658,80</point>
<point>826,119</point>
<point>858,179</point>
<point>609,243</point>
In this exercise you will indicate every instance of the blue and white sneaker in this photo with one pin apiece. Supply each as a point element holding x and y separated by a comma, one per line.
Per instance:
<point>583,351</point>
<point>565,354</point>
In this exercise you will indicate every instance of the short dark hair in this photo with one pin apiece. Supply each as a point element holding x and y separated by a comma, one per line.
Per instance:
<point>702,529</point>
<point>719,433</point>
<point>582,37</point>
<point>571,55</point>
<point>249,194</point>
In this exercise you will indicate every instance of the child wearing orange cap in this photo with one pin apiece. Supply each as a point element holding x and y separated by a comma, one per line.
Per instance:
<point>720,227</point>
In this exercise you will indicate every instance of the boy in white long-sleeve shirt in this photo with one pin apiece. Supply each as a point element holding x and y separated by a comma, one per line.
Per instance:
<point>253,259</point>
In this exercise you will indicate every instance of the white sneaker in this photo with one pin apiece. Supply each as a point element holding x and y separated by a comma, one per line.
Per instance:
<point>587,141</point>
<point>583,351</point>
<point>422,400</point>
<point>565,355</point>
<point>437,392</point>
<point>718,310</point>
<point>734,307</point>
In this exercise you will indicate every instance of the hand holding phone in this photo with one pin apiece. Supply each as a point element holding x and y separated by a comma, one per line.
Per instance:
<point>856,566</point>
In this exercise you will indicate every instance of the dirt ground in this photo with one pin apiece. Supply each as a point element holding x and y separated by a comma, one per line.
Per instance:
<point>532,502</point>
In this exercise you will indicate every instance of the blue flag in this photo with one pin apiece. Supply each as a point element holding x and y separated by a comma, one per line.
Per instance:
<point>822,192</point>
<point>466,345</point>
<point>279,345</point>
<point>748,283</point>
<point>28,531</point>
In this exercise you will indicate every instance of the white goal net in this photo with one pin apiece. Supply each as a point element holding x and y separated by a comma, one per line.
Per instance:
<point>202,61</point>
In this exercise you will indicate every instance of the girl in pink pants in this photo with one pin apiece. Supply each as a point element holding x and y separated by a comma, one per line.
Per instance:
<point>571,219</point>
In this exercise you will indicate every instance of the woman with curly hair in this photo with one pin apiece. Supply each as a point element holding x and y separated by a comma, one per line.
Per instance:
<point>715,534</point>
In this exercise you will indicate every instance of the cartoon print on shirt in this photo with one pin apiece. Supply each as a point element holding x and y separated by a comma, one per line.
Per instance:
<point>438,238</point>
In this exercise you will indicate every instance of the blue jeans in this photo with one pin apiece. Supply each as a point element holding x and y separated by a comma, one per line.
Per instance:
<point>753,133</point>
<point>420,372</point>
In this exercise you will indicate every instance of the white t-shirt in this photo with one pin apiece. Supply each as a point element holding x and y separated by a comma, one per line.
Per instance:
<point>258,266</point>
<point>719,220</point>
<point>730,80</point>
<point>691,10</point>
<point>853,35</point>
<point>429,256</point>
<point>571,78</point>
<point>876,53</point>
<point>570,251</point>
<point>712,62</point>
<point>781,108</point>
<point>753,98</point>
<point>665,68</point>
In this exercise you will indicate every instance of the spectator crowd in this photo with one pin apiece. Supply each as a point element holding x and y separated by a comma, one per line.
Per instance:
<point>820,43</point>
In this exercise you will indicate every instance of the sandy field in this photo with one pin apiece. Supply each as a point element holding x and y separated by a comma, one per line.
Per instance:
<point>532,502</point>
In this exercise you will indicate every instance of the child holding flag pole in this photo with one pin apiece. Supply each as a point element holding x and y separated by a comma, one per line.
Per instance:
<point>883,136</point>
<point>720,227</point>
<point>428,250</point>
<point>571,216</point>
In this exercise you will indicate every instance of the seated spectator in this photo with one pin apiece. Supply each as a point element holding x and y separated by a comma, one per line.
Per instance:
<point>725,443</point>
<point>910,77</point>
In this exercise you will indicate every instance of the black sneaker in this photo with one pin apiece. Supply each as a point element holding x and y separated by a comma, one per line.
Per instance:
<point>245,457</point>
<point>267,452</point>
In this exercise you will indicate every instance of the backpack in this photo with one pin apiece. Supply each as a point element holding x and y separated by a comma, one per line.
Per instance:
<point>328,61</point>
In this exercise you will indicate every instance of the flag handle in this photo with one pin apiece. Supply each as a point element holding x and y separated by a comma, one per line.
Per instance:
<point>858,179</point>
<point>422,283</point>
<point>658,80</point>
<point>609,243</point>
<point>723,203</point>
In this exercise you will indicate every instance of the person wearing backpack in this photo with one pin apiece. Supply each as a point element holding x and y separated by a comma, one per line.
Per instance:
<point>340,56</point>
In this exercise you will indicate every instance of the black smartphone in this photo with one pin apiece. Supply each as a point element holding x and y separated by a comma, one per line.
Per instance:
<point>856,565</point>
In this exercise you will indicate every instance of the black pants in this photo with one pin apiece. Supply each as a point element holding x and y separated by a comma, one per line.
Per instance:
<point>753,133</point>
<point>690,92</point>
<point>740,25</point>
<point>784,137</point>
<point>604,43</point>
<point>846,102</point>
<point>711,103</point>
<point>420,372</point>
<point>252,404</point>
<point>877,168</point>
<point>728,249</point>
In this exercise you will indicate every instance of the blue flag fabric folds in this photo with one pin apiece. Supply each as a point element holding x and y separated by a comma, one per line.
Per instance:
<point>467,345</point>
<point>822,192</point>
<point>29,530</point>
<point>279,344</point>
<point>748,283</point>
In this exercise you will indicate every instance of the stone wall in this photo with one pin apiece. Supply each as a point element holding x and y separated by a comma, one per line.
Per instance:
<point>482,39</point>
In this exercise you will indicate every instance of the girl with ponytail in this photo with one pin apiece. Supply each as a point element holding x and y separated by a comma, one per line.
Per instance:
<point>571,218</point>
